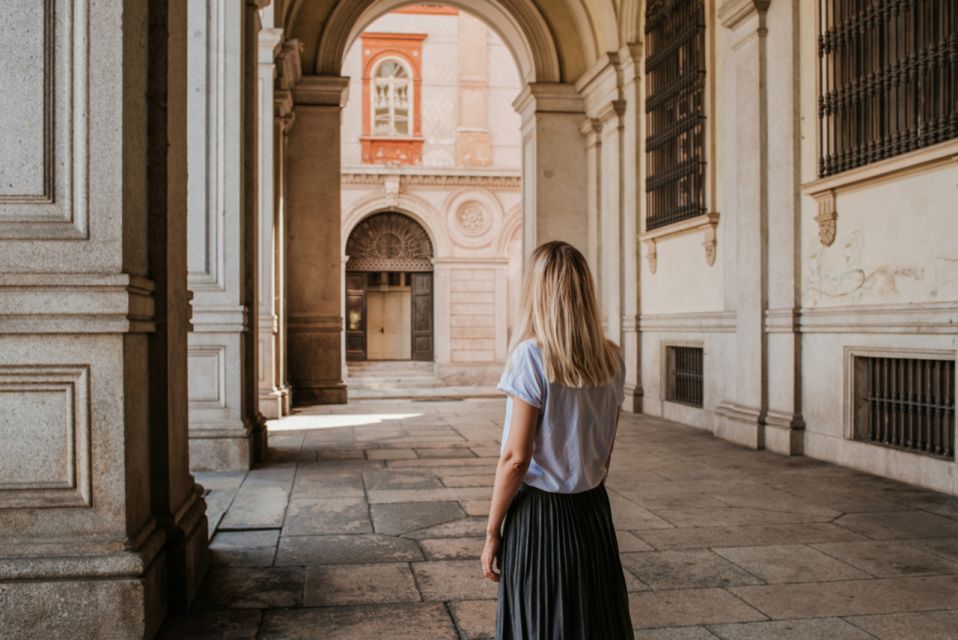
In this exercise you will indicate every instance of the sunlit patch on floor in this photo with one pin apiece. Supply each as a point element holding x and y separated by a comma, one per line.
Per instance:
<point>314,422</point>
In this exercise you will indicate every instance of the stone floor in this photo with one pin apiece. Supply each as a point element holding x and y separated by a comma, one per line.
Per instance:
<point>367,523</point>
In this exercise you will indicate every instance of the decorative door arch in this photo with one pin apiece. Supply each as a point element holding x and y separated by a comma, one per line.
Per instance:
<point>389,251</point>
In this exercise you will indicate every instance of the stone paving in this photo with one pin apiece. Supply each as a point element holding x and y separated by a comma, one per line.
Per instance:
<point>367,522</point>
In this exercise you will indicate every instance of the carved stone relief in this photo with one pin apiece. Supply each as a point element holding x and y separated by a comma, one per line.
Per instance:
<point>472,218</point>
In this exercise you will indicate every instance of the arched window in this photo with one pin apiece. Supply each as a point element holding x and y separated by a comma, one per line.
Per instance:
<point>391,99</point>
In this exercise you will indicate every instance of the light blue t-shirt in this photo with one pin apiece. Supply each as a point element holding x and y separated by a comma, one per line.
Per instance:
<point>576,425</point>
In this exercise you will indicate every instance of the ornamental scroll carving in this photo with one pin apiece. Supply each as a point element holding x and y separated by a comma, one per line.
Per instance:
<point>389,242</point>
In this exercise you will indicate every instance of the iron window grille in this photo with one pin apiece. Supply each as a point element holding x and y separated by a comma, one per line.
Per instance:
<point>905,403</point>
<point>675,111</point>
<point>888,72</point>
<point>685,379</point>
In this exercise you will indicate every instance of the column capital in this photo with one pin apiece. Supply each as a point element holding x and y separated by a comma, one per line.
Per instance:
<point>321,91</point>
<point>289,65</point>
<point>733,12</point>
<point>548,97</point>
<point>270,41</point>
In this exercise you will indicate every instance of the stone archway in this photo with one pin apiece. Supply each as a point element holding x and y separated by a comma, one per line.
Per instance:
<point>389,290</point>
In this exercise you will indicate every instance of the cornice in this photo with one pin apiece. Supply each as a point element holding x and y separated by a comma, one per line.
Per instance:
<point>511,181</point>
<point>321,91</point>
<point>733,12</point>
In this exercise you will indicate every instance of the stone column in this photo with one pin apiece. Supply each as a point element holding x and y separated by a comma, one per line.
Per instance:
<point>553,166</point>
<point>288,74</point>
<point>268,381</point>
<point>102,527</point>
<point>221,255</point>
<point>741,418</point>
<point>630,61</point>
<point>314,245</point>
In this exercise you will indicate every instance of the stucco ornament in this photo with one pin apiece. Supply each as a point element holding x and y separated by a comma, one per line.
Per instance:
<point>827,216</point>
<point>391,191</point>
<point>473,219</point>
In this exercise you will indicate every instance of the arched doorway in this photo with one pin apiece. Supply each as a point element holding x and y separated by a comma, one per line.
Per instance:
<point>389,290</point>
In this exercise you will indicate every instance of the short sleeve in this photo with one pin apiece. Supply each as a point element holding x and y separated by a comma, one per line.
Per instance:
<point>523,378</point>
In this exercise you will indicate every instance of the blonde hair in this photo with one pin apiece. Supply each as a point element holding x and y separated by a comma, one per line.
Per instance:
<point>560,312</point>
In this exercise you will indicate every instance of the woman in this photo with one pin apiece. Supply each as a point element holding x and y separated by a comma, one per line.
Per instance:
<point>558,564</point>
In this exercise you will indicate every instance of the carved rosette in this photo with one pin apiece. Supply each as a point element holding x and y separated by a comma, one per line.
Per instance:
<point>827,216</point>
<point>389,242</point>
<point>472,218</point>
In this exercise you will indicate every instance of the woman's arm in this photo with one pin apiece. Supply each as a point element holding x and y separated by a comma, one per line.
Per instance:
<point>512,467</point>
<point>612,446</point>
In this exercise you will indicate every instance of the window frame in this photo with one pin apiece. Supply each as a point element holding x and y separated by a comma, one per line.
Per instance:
<point>410,90</point>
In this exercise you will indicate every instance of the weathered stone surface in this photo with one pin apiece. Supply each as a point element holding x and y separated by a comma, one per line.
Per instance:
<point>900,524</point>
<point>251,588</point>
<point>244,548</point>
<point>855,597</point>
<point>453,580</point>
<point>675,633</point>
<point>308,516</point>
<point>927,625</point>
<point>685,569</point>
<point>888,559</point>
<point>212,625</point>
<point>345,549</point>
<point>688,607</point>
<point>704,537</point>
<point>402,518</point>
<point>389,480</point>
<point>396,622</point>
<point>790,563</point>
<point>476,619</point>
<point>452,548</point>
<point>360,584</point>
<point>816,629</point>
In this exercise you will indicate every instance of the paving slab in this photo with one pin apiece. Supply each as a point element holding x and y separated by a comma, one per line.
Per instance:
<point>396,622</point>
<point>476,619</point>
<point>314,516</point>
<point>359,584</point>
<point>406,479</point>
<point>400,518</point>
<point>688,607</point>
<point>250,588</point>
<point>391,454</point>
<point>685,569</point>
<point>927,625</point>
<point>453,580</point>
<point>212,625</point>
<point>853,597</point>
<point>900,525</point>
<point>255,548</point>
<point>345,549</point>
<point>675,633</point>
<point>790,563</point>
<point>815,629</point>
<point>705,537</point>
<point>946,548</point>
<point>886,559</point>
<point>474,527</point>
<point>453,548</point>
<point>429,495</point>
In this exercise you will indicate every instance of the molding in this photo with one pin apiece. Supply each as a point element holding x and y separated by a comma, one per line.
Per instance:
<point>61,210</point>
<point>782,320</point>
<point>72,432</point>
<point>289,65</point>
<point>321,91</point>
<point>695,322</point>
<point>548,97</point>
<point>310,323</point>
<point>270,43</point>
<point>220,319</point>
<point>424,178</point>
<point>888,169</point>
<point>75,303</point>
<point>928,318</point>
<point>706,223</point>
<point>733,12</point>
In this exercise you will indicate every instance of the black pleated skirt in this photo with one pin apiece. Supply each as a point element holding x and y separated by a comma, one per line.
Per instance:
<point>561,577</point>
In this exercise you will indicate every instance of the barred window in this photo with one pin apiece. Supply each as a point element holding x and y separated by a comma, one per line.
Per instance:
<point>675,111</point>
<point>888,79</point>
<point>684,375</point>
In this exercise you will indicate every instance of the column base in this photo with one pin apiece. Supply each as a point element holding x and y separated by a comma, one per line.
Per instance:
<point>105,592</point>
<point>633,399</point>
<point>741,425</point>
<point>286,399</point>
<point>271,403</point>
<point>325,394</point>
<point>227,447</point>
<point>785,433</point>
<point>188,557</point>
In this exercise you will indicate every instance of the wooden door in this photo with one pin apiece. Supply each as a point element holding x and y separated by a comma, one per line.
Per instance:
<point>376,332</point>
<point>396,330</point>
<point>356,316</point>
<point>422,325</point>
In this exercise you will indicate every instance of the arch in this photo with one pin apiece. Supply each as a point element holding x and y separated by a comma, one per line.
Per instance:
<point>512,223</point>
<point>389,241</point>
<point>519,23</point>
<point>415,208</point>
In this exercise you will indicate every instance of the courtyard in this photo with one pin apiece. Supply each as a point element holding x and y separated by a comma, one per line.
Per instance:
<point>366,521</point>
